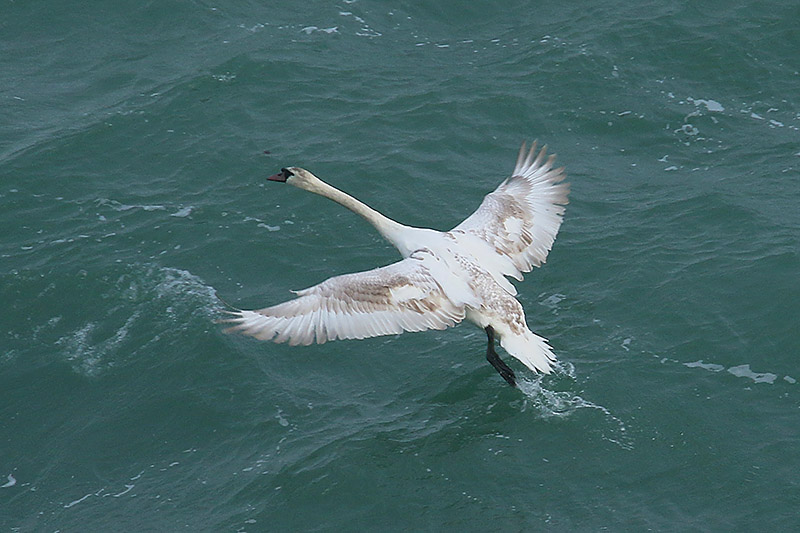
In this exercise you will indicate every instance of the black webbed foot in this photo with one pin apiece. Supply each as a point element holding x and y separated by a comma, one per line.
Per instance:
<point>503,369</point>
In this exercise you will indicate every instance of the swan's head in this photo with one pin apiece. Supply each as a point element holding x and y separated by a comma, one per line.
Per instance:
<point>299,177</point>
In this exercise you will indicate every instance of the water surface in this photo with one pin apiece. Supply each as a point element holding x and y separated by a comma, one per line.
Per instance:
<point>134,143</point>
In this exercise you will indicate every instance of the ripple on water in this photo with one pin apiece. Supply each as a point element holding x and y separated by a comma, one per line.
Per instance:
<point>122,313</point>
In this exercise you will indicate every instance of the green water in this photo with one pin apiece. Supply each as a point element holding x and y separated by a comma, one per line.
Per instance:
<point>132,166</point>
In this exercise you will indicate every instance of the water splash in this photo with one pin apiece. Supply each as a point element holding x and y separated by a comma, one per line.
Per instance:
<point>563,404</point>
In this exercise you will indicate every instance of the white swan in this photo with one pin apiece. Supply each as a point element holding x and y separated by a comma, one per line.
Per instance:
<point>443,277</point>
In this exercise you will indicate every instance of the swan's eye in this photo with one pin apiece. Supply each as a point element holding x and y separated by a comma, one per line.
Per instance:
<point>286,173</point>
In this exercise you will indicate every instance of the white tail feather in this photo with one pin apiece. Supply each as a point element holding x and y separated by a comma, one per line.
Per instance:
<point>531,349</point>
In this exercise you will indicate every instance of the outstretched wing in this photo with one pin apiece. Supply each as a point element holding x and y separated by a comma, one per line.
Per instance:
<point>403,296</point>
<point>520,219</point>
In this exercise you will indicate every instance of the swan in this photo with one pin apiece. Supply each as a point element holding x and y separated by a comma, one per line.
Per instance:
<point>443,278</point>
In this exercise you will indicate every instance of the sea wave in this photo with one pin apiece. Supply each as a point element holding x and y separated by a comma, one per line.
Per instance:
<point>116,315</point>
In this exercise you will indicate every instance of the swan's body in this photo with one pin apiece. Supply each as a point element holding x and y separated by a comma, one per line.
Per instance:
<point>443,278</point>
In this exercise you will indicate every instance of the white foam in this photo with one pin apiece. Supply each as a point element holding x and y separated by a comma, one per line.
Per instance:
<point>182,212</point>
<point>180,283</point>
<point>128,488</point>
<point>120,207</point>
<point>224,77</point>
<point>740,371</point>
<point>553,299</point>
<point>281,419</point>
<point>711,105</point>
<point>711,367</point>
<point>308,30</point>
<point>80,350</point>
<point>743,371</point>
<point>79,500</point>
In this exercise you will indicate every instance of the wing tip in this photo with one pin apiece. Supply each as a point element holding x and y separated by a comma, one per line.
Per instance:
<point>530,162</point>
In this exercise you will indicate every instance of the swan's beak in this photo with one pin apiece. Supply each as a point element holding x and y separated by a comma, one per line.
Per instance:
<point>281,176</point>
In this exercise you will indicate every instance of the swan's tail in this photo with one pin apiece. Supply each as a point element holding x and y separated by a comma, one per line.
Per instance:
<point>531,349</point>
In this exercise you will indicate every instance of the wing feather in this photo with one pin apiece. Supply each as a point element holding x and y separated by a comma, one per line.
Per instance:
<point>521,218</point>
<point>404,296</point>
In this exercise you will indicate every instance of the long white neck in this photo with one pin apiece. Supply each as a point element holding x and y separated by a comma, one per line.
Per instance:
<point>401,236</point>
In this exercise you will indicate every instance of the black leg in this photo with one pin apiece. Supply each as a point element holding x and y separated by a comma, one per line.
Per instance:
<point>503,369</point>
